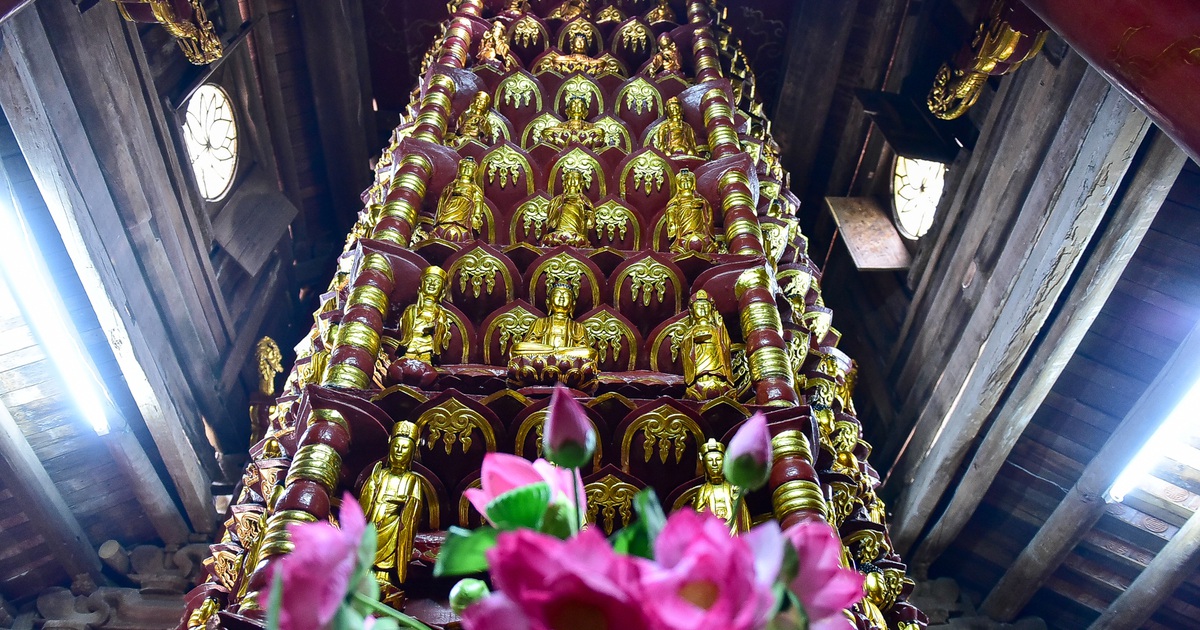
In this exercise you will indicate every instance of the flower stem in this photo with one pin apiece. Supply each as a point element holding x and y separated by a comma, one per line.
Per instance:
<point>576,479</point>
<point>383,609</point>
<point>737,511</point>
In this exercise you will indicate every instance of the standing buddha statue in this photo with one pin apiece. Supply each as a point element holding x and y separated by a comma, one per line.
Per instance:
<point>689,218</point>
<point>571,214</point>
<point>460,209</point>
<point>425,326</point>
<point>674,136</point>
<point>707,369</point>
<point>393,498</point>
<point>716,495</point>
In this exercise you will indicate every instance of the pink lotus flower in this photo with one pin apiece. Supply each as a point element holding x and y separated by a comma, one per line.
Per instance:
<point>709,579</point>
<point>568,437</point>
<point>822,584</point>
<point>552,584</point>
<point>316,575</point>
<point>748,460</point>
<point>502,472</point>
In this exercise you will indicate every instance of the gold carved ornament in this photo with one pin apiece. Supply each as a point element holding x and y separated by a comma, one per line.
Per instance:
<point>608,332</point>
<point>613,221</point>
<point>519,90</point>
<point>566,269</point>
<point>512,327</point>
<point>526,32</point>
<point>615,133</point>
<point>671,334</point>
<point>478,269</point>
<point>640,96</point>
<point>453,422</point>
<point>610,15</point>
<point>533,131</point>
<point>194,34</point>
<point>532,215</point>
<point>955,90</point>
<point>664,430</point>
<point>505,162</point>
<point>582,29</point>
<point>648,278</point>
<point>650,172</point>
<point>579,161</point>
<point>579,87</point>
<point>635,37</point>
<point>270,363</point>
<point>609,499</point>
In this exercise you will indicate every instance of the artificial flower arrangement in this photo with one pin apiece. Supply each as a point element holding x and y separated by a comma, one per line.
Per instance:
<point>551,572</point>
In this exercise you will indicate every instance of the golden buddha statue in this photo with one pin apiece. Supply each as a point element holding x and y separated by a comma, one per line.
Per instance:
<point>575,129</point>
<point>425,326</point>
<point>707,369</point>
<point>577,60</point>
<point>570,10</point>
<point>460,209</point>
<point>556,347</point>
<point>716,495</point>
<point>674,136</point>
<point>571,214</point>
<point>393,498</point>
<point>666,59</point>
<point>689,218</point>
<point>475,123</point>
<point>493,48</point>
<point>661,13</point>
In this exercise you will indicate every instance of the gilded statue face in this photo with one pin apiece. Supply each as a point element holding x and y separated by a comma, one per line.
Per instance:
<point>466,169</point>
<point>701,309</point>
<point>664,41</point>
<point>674,109</point>
<point>432,284</point>
<point>573,182</point>
<point>578,44</point>
<point>687,183</point>
<point>576,109</point>
<point>714,464</point>
<point>482,100</point>
<point>401,453</point>
<point>562,300</point>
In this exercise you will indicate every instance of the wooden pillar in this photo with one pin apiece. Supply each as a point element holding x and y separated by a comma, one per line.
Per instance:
<point>1084,503</point>
<point>1140,200</point>
<point>1094,146</point>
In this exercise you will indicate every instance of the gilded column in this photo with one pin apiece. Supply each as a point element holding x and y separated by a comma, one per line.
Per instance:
<point>704,45</point>
<point>762,329</point>
<point>796,494</point>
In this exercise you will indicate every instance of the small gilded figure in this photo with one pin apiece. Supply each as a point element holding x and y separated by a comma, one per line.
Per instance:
<point>666,59</point>
<point>689,218</point>
<point>674,136</point>
<point>393,498</point>
<point>571,9</point>
<point>571,214</point>
<point>460,209</point>
<point>575,129</point>
<point>425,326</point>
<point>716,495</point>
<point>475,123</point>
<point>516,9</point>
<point>707,368</point>
<point>661,13</point>
<point>493,48</point>
<point>556,348</point>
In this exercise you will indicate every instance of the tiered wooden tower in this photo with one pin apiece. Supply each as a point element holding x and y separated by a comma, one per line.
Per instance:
<point>585,193</point>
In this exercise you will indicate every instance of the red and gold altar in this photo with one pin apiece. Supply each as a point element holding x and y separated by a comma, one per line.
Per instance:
<point>581,193</point>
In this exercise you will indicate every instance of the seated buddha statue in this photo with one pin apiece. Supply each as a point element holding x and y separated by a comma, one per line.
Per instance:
<point>424,332</point>
<point>393,498</point>
<point>707,369</point>
<point>689,218</point>
<point>666,59</point>
<point>661,13</point>
<point>475,123</point>
<point>674,136</point>
<point>460,209</point>
<point>556,347</point>
<point>716,495</point>
<point>577,60</point>
<point>494,50</point>
<point>571,215</point>
<point>575,129</point>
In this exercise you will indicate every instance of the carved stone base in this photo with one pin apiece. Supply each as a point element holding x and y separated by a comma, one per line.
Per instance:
<point>573,372</point>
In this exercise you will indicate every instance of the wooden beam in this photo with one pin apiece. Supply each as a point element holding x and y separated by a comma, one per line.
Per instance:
<point>74,185</point>
<point>810,76</point>
<point>1097,140</point>
<point>1140,199</point>
<point>1084,503</point>
<point>145,483</point>
<point>42,502</point>
<point>1157,582</point>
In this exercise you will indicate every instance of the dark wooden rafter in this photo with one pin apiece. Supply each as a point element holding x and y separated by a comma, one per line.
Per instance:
<point>1084,503</point>
<point>73,181</point>
<point>42,502</point>
<point>1140,199</point>
<point>1094,146</point>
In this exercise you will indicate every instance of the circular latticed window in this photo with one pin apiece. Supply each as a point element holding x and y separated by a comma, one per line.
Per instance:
<point>211,136</point>
<point>916,189</point>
